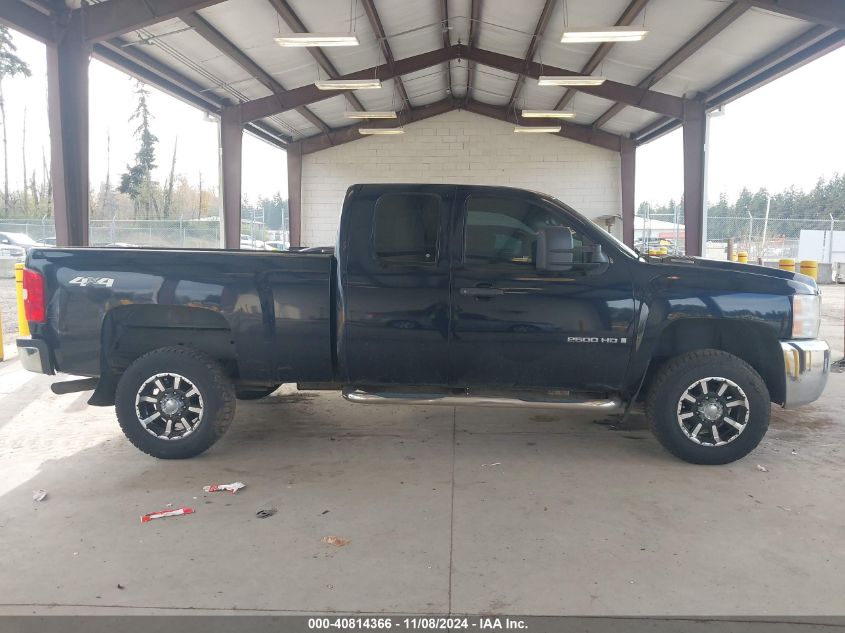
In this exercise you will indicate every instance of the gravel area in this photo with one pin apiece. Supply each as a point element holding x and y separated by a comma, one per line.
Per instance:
<point>8,309</point>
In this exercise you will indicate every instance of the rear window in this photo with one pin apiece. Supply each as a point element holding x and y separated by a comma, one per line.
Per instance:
<point>407,228</point>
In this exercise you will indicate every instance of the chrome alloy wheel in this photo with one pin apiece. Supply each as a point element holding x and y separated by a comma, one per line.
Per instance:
<point>713,411</point>
<point>169,406</point>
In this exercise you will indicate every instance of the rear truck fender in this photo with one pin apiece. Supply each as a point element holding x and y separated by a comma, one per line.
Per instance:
<point>128,332</point>
<point>747,325</point>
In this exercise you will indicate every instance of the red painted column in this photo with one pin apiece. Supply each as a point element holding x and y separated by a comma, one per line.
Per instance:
<point>295,193</point>
<point>629,173</point>
<point>231,160</point>
<point>67,97</point>
<point>695,146</point>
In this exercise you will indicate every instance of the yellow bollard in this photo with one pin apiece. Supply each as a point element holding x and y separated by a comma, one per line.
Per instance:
<point>787,264</point>
<point>742,257</point>
<point>810,267</point>
<point>653,252</point>
<point>663,250</point>
<point>23,325</point>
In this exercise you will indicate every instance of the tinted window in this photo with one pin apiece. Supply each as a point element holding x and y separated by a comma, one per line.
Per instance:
<point>406,228</point>
<point>504,230</point>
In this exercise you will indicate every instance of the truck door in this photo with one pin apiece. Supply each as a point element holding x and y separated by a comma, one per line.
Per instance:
<point>395,290</point>
<point>514,326</point>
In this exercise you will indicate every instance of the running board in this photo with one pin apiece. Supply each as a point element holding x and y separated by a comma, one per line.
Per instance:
<point>72,386</point>
<point>531,401</point>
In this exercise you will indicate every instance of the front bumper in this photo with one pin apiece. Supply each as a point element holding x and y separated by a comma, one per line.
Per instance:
<point>35,355</point>
<point>806,365</point>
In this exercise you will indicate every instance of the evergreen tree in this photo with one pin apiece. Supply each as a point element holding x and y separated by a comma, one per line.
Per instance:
<point>137,182</point>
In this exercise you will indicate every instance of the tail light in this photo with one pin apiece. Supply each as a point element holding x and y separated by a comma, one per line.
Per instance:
<point>33,296</point>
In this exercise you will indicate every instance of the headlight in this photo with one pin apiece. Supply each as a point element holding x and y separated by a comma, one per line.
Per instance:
<point>806,316</point>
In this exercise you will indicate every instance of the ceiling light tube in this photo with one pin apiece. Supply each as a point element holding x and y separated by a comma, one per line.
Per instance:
<point>317,39</point>
<point>381,130</point>
<point>547,114</point>
<point>536,129</point>
<point>570,80</point>
<point>366,114</point>
<point>603,34</point>
<point>347,84</point>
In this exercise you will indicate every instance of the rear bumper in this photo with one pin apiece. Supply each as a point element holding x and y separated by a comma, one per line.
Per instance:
<point>807,366</point>
<point>35,355</point>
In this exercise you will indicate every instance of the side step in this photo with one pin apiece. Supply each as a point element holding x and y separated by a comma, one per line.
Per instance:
<point>72,386</point>
<point>531,401</point>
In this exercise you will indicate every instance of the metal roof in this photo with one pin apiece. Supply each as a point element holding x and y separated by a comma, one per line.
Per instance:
<point>436,55</point>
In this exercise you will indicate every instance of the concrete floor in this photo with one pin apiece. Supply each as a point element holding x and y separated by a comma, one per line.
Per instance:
<point>447,510</point>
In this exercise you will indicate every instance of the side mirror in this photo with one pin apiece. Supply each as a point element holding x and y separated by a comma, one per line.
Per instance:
<point>554,249</point>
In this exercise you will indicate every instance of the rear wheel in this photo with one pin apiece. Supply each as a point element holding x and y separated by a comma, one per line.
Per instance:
<point>708,407</point>
<point>174,402</point>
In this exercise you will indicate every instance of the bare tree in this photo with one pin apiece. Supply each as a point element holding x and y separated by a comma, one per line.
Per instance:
<point>10,66</point>
<point>168,185</point>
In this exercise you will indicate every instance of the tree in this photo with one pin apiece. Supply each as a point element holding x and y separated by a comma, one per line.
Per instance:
<point>136,182</point>
<point>10,66</point>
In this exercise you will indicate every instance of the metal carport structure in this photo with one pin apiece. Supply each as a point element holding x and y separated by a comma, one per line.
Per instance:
<point>437,56</point>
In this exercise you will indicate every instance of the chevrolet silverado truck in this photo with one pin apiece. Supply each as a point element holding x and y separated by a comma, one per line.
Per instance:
<point>433,295</point>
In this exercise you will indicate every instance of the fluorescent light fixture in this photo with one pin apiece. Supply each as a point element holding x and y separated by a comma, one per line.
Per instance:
<point>364,114</point>
<point>381,130</point>
<point>603,34</point>
<point>547,114</point>
<point>347,84</point>
<point>317,39</point>
<point>570,80</point>
<point>536,129</point>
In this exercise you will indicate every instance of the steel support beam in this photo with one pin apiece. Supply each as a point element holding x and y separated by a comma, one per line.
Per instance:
<point>222,44</point>
<point>542,22</point>
<point>290,18</point>
<point>711,30</point>
<point>295,97</point>
<point>628,172</point>
<point>626,19</point>
<point>29,21</point>
<point>695,148</point>
<point>67,95</point>
<point>615,91</point>
<point>378,29</point>
<point>827,12</point>
<point>115,17</point>
<point>231,161</point>
<point>295,194</point>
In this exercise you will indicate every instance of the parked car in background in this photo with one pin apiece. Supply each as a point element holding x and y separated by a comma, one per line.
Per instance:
<point>276,245</point>
<point>249,243</point>
<point>47,241</point>
<point>16,245</point>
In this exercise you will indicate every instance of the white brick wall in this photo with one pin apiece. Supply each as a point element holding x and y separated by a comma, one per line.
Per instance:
<point>463,148</point>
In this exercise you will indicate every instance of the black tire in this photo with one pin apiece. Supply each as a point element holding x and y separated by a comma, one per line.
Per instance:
<point>216,400</point>
<point>677,377</point>
<point>255,393</point>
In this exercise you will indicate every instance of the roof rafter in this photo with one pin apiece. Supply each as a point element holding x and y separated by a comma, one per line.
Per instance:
<point>292,20</point>
<point>214,37</point>
<point>378,28</point>
<point>687,50</point>
<point>826,12</point>
<point>542,23</point>
<point>626,19</point>
<point>812,44</point>
<point>115,17</point>
<point>27,20</point>
<point>351,133</point>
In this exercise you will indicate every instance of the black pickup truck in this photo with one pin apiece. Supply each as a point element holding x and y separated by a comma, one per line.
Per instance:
<point>434,295</point>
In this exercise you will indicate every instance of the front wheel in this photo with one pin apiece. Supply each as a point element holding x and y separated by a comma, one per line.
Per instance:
<point>174,402</point>
<point>708,407</point>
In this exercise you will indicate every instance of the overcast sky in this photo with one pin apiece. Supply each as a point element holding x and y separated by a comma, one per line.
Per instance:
<point>790,132</point>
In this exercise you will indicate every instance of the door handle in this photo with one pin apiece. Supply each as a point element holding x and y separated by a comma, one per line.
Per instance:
<point>481,292</point>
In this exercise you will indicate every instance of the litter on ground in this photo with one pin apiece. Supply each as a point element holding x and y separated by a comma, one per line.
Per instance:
<point>39,495</point>
<point>166,513</point>
<point>337,541</point>
<point>233,487</point>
